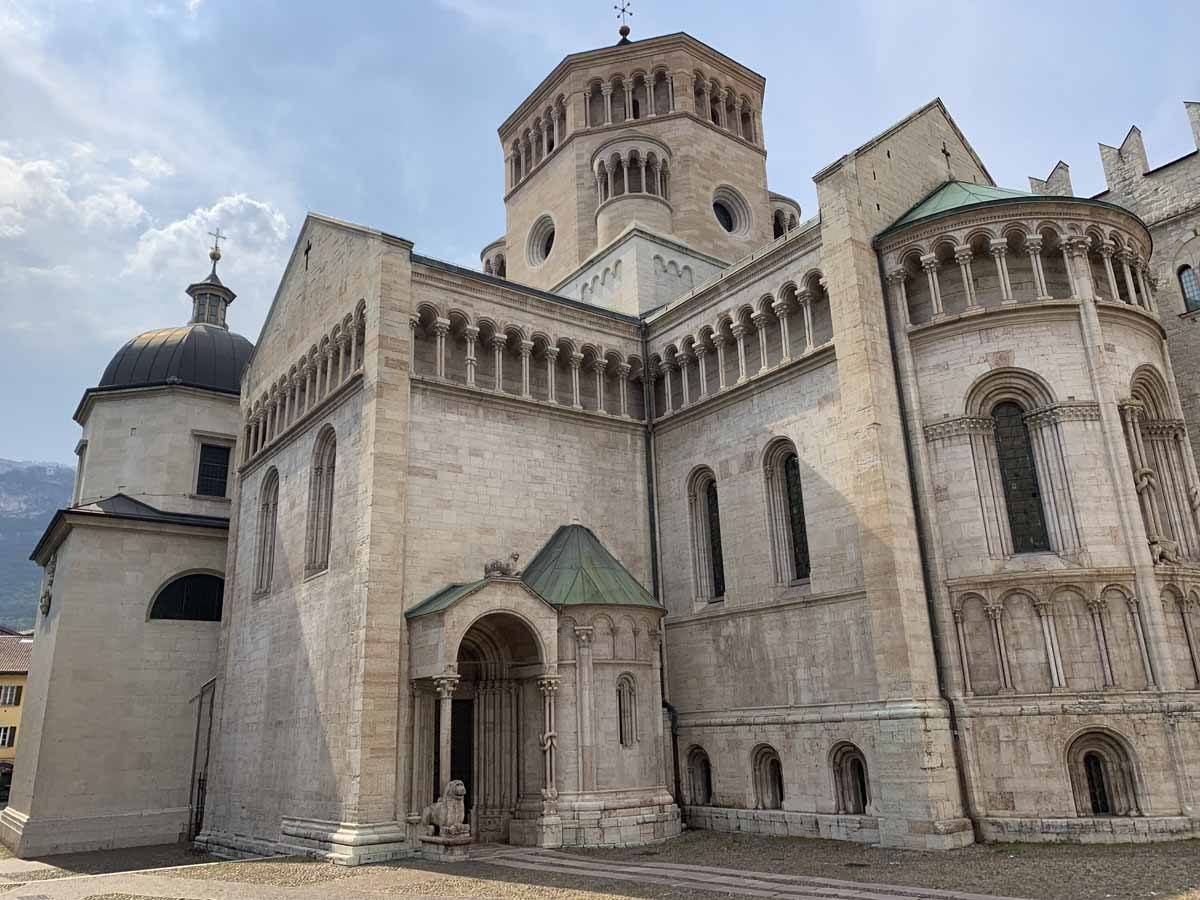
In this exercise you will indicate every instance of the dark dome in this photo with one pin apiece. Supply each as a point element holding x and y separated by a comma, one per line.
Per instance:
<point>203,356</point>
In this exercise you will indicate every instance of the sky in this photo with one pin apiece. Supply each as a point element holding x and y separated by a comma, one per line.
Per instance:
<point>129,130</point>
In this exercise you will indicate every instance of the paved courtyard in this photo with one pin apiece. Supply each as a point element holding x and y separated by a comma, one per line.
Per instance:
<point>697,866</point>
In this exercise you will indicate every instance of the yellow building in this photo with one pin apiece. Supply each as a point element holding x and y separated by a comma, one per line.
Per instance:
<point>15,650</point>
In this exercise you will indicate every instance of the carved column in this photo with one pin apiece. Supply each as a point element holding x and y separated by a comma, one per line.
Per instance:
<point>719,341</point>
<point>707,114</point>
<point>556,115</point>
<point>1097,607</point>
<point>1139,631</point>
<point>412,346</point>
<point>899,295</point>
<point>649,85</point>
<point>445,685</point>
<point>995,614</point>
<point>498,342</point>
<point>1144,282</point>
<point>962,256</point>
<point>623,371</point>
<point>739,335</point>
<point>760,327</point>
<point>783,312</point>
<point>314,371</point>
<point>664,368</point>
<point>1033,247</point>
<point>606,92</point>
<point>1107,251</point>
<point>964,663</point>
<point>548,685</point>
<point>1144,476</point>
<point>1069,255</point>
<point>440,329</point>
<point>929,263</point>
<point>526,350</point>
<point>585,701</point>
<point>471,336</point>
<point>422,791</point>
<point>806,298</point>
<point>702,370</point>
<point>1045,613</point>
<point>1127,257</point>
<point>999,251</point>
<point>551,367</point>
<point>575,360</point>
<point>1187,610</point>
<point>600,367</point>
<point>684,361</point>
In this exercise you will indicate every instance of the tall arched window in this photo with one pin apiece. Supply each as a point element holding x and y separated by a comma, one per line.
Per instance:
<point>707,553</point>
<point>627,710</point>
<point>706,533</point>
<point>851,787</point>
<point>785,507</point>
<point>268,510</point>
<point>1102,776</point>
<point>768,778</point>
<point>1189,283</point>
<point>320,502</point>
<point>1022,495</point>
<point>699,777</point>
<point>196,598</point>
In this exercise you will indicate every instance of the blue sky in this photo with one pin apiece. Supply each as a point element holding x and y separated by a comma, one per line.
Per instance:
<point>129,130</point>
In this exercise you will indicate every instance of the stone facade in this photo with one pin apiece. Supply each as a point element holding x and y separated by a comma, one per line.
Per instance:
<point>897,509</point>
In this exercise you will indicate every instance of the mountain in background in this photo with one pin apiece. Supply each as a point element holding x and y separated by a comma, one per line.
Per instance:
<point>30,492</point>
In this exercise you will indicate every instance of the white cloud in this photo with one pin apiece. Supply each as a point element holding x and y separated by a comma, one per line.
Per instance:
<point>257,232</point>
<point>151,166</point>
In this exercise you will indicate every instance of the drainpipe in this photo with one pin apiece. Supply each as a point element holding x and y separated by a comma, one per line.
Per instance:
<point>964,780</point>
<point>655,574</point>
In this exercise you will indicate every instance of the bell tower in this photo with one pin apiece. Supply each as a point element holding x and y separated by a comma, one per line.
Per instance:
<point>661,137</point>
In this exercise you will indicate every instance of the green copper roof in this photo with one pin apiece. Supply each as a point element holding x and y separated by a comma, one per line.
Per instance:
<point>571,569</point>
<point>575,568</point>
<point>443,599</point>
<point>952,195</point>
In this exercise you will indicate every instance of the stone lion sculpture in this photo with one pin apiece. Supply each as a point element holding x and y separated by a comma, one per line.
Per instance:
<point>501,567</point>
<point>448,813</point>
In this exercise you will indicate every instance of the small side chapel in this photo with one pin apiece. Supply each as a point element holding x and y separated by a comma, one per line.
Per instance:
<point>544,759</point>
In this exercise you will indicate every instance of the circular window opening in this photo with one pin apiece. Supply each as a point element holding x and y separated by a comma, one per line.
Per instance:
<point>731,210</point>
<point>724,216</point>
<point>541,240</point>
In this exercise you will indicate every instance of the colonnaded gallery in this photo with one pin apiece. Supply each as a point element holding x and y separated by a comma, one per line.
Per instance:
<point>879,524</point>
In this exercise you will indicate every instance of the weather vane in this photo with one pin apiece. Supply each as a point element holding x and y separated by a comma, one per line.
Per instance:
<point>623,11</point>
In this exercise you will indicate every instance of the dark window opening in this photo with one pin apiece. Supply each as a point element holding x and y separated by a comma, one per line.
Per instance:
<point>801,563</point>
<point>1019,474</point>
<point>195,598</point>
<point>213,478</point>
<point>858,787</point>
<point>714,540</point>
<point>1097,781</point>
<point>548,245</point>
<point>724,216</point>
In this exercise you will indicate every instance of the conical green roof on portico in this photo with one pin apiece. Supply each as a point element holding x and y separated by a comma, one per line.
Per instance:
<point>955,194</point>
<point>574,568</point>
<point>571,569</point>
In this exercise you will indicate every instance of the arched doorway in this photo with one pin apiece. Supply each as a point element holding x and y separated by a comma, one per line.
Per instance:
<point>496,725</point>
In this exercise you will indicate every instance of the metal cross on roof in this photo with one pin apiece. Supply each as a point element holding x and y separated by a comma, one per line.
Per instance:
<point>217,238</point>
<point>625,9</point>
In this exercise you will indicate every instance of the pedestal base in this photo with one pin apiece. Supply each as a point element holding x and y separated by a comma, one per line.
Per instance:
<point>448,848</point>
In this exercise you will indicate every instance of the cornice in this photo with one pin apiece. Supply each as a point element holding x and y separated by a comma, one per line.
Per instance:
<point>560,309</point>
<point>92,396</point>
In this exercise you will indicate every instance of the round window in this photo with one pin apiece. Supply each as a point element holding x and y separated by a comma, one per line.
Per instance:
<point>724,216</point>
<point>541,241</point>
<point>731,211</point>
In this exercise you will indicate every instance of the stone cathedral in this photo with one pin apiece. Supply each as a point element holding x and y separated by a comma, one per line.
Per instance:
<point>879,524</point>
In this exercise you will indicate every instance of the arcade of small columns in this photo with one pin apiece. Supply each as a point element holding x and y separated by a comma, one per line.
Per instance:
<point>615,172</point>
<point>1050,255</point>
<point>777,344</point>
<point>731,331</point>
<point>324,368</point>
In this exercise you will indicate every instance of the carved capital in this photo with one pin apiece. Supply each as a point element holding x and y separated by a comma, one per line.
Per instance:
<point>963,255</point>
<point>525,348</point>
<point>575,360</point>
<point>1033,245</point>
<point>929,262</point>
<point>993,611</point>
<point>739,330</point>
<point>551,353</point>
<point>623,370</point>
<point>998,249</point>
<point>470,334</point>
<point>446,684</point>
<point>548,685</point>
<point>897,276</point>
